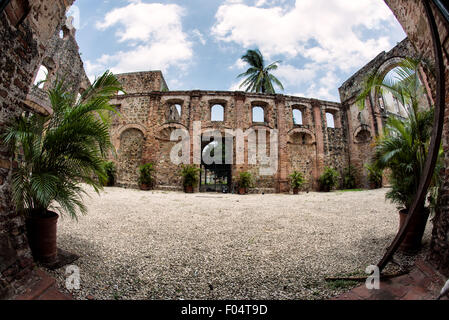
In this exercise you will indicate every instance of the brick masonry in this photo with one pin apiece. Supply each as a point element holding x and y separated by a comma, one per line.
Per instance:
<point>26,27</point>
<point>145,117</point>
<point>309,148</point>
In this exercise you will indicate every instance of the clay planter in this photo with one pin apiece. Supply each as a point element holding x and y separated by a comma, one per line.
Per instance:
<point>295,190</point>
<point>41,233</point>
<point>144,187</point>
<point>412,240</point>
<point>188,189</point>
<point>242,191</point>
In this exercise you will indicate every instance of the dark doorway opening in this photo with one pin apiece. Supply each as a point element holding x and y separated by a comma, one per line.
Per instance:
<point>215,176</point>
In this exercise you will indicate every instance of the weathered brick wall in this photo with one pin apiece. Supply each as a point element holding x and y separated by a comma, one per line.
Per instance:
<point>22,46</point>
<point>148,111</point>
<point>63,62</point>
<point>411,15</point>
<point>133,82</point>
<point>363,125</point>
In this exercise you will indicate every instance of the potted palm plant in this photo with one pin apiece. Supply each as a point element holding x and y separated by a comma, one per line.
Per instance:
<point>328,179</point>
<point>403,147</point>
<point>374,176</point>
<point>244,182</point>
<point>146,180</point>
<point>56,154</point>
<point>110,170</point>
<point>297,180</point>
<point>190,177</point>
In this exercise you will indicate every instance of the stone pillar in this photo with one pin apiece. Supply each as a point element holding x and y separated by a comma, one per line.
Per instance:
<point>240,122</point>
<point>282,184</point>
<point>194,115</point>
<point>319,137</point>
<point>151,144</point>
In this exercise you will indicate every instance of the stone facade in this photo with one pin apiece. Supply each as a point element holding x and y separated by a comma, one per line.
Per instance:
<point>145,116</point>
<point>309,147</point>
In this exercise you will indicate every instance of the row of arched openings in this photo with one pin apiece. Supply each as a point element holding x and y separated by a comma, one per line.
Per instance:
<point>258,115</point>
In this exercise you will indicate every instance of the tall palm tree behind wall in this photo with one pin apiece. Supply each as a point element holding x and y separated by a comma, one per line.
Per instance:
<point>259,78</point>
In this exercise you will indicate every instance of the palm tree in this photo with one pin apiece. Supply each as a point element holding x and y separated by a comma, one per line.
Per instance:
<point>62,150</point>
<point>259,78</point>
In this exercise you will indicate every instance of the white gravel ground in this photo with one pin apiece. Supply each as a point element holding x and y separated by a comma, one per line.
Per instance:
<point>167,245</point>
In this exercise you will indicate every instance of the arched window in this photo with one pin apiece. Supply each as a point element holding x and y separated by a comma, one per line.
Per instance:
<point>330,120</point>
<point>41,77</point>
<point>217,113</point>
<point>297,117</point>
<point>174,112</point>
<point>179,109</point>
<point>258,114</point>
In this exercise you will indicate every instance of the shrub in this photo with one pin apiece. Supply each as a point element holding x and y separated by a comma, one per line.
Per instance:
<point>328,179</point>
<point>349,178</point>
<point>245,180</point>
<point>374,176</point>
<point>109,168</point>
<point>62,150</point>
<point>146,174</point>
<point>297,180</point>
<point>190,175</point>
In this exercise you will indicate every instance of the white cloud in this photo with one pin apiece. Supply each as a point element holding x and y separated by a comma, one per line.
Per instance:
<point>236,86</point>
<point>320,30</point>
<point>325,88</point>
<point>290,75</point>
<point>197,33</point>
<point>152,35</point>
<point>239,65</point>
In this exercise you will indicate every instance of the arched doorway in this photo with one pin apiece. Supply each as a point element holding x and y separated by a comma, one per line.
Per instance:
<point>216,169</point>
<point>130,157</point>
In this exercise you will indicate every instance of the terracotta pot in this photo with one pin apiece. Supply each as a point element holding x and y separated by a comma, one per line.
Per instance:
<point>188,189</point>
<point>41,233</point>
<point>144,187</point>
<point>412,240</point>
<point>242,191</point>
<point>295,190</point>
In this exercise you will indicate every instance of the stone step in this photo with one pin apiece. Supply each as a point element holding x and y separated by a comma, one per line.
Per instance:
<point>43,289</point>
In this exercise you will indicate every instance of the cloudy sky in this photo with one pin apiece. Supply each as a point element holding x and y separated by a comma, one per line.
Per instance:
<point>198,43</point>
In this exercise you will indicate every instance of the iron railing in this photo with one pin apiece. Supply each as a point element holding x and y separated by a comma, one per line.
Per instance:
<point>443,7</point>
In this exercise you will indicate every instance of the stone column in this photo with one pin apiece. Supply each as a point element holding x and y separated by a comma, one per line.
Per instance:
<point>319,137</point>
<point>194,115</point>
<point>282,184</point>
<point>151,144</point>
<point>240,122</point>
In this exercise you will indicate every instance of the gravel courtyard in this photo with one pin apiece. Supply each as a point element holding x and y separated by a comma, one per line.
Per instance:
<point>167,245</point>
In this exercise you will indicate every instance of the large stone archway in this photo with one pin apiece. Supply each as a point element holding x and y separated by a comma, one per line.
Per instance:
<point>129,154</point>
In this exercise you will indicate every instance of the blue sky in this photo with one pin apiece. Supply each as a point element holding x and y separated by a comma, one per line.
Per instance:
<point>198,43</point>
